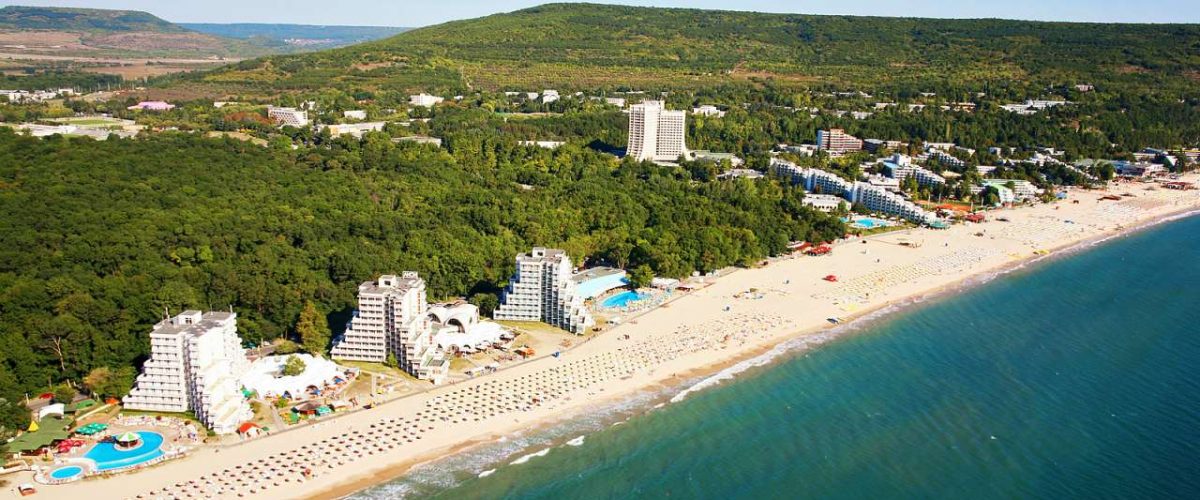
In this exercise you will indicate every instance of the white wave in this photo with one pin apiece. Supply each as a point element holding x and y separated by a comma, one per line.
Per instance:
<point>487,473</point>
<point>526,458</point>
<point>576,442</point>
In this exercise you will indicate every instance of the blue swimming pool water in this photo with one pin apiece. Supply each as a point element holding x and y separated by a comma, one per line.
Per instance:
<point>623,299</point>
<point>108,457</point>
<point>865,222</point>
<point>67,472</point>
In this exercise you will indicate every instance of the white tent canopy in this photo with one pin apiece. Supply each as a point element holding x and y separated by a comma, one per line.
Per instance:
<point>54,409</point>
<point>482,334</point>
<point>264,376</point>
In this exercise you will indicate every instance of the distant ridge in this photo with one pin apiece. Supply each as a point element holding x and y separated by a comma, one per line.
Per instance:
<point>87,20</point>
<point>321,36</point>
<point>589,45</point>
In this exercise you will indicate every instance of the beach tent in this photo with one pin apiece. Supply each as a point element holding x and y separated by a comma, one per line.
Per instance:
<point>33,426</point>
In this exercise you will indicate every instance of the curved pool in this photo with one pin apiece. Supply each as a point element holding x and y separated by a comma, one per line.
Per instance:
<point>68,472</point>
<point>623,299</point>
<point>108,457</point>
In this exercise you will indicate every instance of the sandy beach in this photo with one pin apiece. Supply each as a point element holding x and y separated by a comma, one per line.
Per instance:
<point>740,315</point>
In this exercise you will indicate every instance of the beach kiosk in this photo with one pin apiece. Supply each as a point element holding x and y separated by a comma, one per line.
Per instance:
<point>127,441</point>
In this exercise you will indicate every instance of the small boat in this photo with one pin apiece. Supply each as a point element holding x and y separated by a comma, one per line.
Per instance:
<point>831,278</point>
<point>834,320</point>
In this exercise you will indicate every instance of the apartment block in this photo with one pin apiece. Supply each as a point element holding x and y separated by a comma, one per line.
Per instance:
<point>393,318</point>
<point>541,289</point>
<point>655,133</point>
<point>288,116</point>
<point>837,141</point>
<point>195,361</point>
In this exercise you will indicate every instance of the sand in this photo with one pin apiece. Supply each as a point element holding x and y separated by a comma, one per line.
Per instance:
<point>698,333</point>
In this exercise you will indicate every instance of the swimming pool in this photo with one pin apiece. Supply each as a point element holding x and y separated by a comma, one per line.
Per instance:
<point>623,299</point>
<point>866,222</point>
<point>68,472</point>
<point>108,457</point>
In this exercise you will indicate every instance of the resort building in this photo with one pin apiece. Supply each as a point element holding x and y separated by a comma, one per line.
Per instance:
<point>615,101</point>
<point>655,133</point>
<point>356,129</point>
<point>837,141</point>
<point>355,114</point>
<point>195,361</point>
<point>885,182</point>
<point>424,100</point>
<point>901,167</point>
<point>1030,107</point>
<point>709,156</point>
<point>549,96</point>
<point>1022,189</point>
<point>597,281</point>
<point>541,289</point>
<point>886,202</point>
<point>708,110</point>
<point>1005,195</point>
<point>457,327</point>
<point>288,116</point>
<point>152,106</point>
<point>1138,169</point>
<point>824,202</point>
<point>419,139</point>
<point>542,144</point>
<point>812,179</point>
<point>393,318</point>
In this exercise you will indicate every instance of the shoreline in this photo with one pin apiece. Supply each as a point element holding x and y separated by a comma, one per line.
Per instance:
<point>702,339</point>
<point>678,383</point>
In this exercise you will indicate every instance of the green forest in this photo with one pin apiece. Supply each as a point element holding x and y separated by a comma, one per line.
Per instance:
<point>99,238</point>
<point>585,46</point>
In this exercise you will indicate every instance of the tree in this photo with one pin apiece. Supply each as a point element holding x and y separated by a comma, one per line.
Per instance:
<point>486,302</point>
<point>64,393</point>
<point>293,366</point>
<point>641,276</point>
<point>110,382</point>
<point>391,361</point>
<point>313,330</point>
<point>285,346</point>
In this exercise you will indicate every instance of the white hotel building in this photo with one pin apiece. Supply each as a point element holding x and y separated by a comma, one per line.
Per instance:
<point>875,198</point>
<point>655,133</point>
<point>812,179</point>
<point>541,289</point>
<point>195,361</point>
<point>393,318</point>
<point>424,100</point>
<point>878,199</point>
<point>288,116</point>
<point>901,167</point>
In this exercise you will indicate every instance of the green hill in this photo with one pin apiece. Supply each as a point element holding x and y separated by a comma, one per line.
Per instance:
<point>88,20</point>
<point>587,46</point>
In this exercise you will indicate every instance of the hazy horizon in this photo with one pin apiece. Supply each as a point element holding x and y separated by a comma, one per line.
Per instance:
<point>405,14</point>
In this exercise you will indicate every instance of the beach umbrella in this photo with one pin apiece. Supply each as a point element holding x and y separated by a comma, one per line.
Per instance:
<point>127,437</point>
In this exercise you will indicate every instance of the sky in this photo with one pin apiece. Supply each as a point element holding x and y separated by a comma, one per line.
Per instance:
<point>412,13</point>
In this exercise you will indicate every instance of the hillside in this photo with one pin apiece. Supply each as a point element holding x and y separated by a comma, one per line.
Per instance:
<point>297,36</point>
<point>54,32</point>
<point>587,46</point>
<point>15,17</point>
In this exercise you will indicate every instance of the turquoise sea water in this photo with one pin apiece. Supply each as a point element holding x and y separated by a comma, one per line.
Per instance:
<point>1072,378</point>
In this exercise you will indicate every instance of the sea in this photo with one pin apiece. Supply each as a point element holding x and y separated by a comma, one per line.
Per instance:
<point>1072,377</point>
